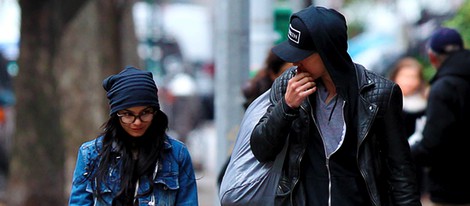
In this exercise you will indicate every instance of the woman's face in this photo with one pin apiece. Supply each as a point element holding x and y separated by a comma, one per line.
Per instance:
<point>136,120</point>
<point>409,80</point>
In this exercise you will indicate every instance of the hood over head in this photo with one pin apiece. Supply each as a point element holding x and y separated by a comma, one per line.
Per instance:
<point>322,30</point>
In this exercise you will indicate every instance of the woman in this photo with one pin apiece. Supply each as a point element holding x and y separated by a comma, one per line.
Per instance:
<point>133,162</point>
<point>408,74</point>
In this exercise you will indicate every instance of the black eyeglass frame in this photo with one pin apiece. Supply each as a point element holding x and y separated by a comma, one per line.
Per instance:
<point>137,116</point>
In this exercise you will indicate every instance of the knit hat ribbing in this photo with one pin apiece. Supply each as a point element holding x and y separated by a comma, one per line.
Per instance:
<point>131,87</point>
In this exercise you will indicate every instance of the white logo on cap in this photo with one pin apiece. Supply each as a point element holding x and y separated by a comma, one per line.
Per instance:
<point>294,34</point>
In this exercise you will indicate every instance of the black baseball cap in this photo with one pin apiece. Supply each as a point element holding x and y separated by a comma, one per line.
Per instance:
<point>445,40</point>
<point>299,44</point>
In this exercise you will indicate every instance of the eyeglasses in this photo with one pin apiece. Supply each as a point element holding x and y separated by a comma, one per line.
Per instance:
<point>128,117</point>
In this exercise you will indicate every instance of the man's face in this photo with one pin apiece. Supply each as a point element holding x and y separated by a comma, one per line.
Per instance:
<point>313,65</point>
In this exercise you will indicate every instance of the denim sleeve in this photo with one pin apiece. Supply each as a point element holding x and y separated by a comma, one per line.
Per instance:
<point>79,195</point>
<point>187,193</point>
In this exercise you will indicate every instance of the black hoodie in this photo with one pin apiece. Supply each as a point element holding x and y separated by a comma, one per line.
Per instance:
<point>446,140</point>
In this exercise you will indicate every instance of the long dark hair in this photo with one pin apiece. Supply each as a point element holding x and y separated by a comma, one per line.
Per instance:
<point>118,145</point>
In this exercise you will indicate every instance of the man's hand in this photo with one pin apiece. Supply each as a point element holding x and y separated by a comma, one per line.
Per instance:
<point>298,88</point>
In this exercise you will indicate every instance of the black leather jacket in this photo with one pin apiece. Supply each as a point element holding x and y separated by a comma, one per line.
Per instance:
<point>383,154</point>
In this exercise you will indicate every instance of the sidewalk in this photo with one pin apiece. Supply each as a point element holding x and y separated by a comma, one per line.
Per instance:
<point>202,146</point>
<point>207,188</point>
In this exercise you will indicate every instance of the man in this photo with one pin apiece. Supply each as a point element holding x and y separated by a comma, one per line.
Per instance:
<point>445,143</point>
<point>347,146</point>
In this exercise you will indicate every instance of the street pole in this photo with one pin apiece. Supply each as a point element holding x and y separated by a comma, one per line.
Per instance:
<point>262,34</point>
<point>231,54</point>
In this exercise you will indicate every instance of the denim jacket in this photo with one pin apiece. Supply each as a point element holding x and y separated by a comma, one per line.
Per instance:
<point>174,182</point>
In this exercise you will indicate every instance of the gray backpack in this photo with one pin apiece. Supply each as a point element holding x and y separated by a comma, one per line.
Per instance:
<point>248,181</point>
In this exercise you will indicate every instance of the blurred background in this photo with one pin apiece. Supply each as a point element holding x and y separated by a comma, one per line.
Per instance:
<point>54,55</point>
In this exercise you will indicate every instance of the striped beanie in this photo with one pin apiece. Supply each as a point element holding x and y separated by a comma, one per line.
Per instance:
<point>130,88</point>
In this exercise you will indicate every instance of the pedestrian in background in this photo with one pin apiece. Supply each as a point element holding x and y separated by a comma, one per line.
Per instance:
<point>444,147</point>
<point>408,73</point>
<point>256,86</point>
<point>264,78</point>
<point>342,123</point>
<point>7,101</point>
<point>133,162</point>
